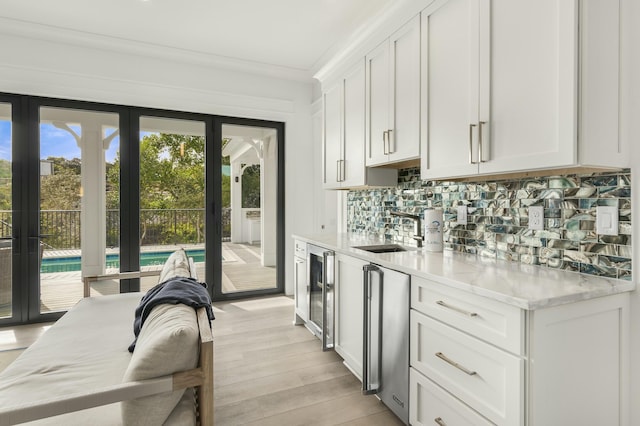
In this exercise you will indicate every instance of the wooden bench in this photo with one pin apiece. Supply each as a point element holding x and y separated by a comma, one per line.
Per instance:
<point>31,391</point>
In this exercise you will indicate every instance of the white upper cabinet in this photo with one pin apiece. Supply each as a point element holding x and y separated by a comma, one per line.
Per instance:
<point>393,98</point>
<point>344,135</point>
<point>332,135</point>
<point>450,72</point>
<point>501,90</point>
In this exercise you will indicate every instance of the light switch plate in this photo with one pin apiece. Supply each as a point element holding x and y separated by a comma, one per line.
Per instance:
<point>536,218</point>
<point>462,215</point>
<point>607,220</point>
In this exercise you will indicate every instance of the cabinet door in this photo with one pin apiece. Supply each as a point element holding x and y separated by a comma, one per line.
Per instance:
<point>332,137</point>
<point>300,288</point>
<point>450,73</point>
<point>349,311</point>
<point>404,119</point>
<point>377,104</point>
<point>354,123</point>
<point>530,104</point>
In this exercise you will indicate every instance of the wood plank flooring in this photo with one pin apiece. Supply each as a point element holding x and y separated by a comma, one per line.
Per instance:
<point>270,372</point>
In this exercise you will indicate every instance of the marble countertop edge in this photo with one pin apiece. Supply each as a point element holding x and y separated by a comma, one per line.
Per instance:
<point>526,286</point>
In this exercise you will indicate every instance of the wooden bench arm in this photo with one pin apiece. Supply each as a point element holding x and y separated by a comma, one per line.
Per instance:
<point>128,275</point>
<point>81,400</point>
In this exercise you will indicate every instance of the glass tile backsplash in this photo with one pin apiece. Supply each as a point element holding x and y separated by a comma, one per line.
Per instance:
<point>497,218</point>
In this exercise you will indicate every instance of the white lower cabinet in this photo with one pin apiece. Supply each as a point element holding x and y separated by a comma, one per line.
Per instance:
<point>562,365</point>
<point>435,406</point>
<point>484,377</point>
<point>349,291</point>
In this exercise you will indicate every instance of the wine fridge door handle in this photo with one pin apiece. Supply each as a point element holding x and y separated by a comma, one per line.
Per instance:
<point>328,309</point>
<point>366,271</point>
<point>367,387</point>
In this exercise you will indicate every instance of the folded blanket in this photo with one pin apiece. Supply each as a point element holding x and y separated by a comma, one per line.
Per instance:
<point>176,290</point>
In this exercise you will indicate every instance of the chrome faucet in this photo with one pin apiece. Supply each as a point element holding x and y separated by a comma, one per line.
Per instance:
<point>417,225</point>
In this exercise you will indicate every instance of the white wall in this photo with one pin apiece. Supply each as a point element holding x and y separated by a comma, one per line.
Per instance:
<point>630,93</point>
<point>45,67</point>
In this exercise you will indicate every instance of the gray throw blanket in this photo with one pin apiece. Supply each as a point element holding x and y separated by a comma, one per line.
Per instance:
<point>176,290</point>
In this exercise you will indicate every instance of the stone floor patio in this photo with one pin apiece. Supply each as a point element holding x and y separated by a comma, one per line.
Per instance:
<point>241,271</point>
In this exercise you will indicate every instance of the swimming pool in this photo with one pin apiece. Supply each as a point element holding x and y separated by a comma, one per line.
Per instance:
<point>72,263</point>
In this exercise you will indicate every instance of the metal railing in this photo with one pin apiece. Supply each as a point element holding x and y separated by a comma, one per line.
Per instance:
<point>157,227</point>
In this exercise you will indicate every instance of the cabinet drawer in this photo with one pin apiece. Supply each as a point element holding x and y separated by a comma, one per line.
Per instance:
<point>430,405</point>
<point>300,248</point>
<point>486,319</point>
<point>486,378</point>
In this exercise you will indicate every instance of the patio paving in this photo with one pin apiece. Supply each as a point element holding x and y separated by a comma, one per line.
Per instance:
<point>241,271</point>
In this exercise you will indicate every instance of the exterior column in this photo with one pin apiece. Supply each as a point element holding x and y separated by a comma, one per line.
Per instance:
<point>93,213</point>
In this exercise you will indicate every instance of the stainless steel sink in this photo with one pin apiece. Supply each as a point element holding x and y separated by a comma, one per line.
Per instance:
<point>381,248</point>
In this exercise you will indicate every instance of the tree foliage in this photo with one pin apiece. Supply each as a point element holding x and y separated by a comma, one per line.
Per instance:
<point>5,185</point>
<point>251,187</point>
<point>172,177</point>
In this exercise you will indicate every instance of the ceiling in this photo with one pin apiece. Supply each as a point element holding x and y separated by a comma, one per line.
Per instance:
<point>297,35</point>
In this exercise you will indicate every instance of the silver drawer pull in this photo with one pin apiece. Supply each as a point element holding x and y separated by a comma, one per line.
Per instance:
<point>439,421</point>
<point>453,308</point>
<point>455,364</point>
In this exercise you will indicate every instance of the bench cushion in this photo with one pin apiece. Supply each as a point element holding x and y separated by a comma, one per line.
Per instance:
<point>85,349</point>
<point>177,265</point>
<point>168,343</point>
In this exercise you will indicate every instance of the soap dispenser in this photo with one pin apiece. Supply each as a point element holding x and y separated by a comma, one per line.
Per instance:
<point>433,221</point>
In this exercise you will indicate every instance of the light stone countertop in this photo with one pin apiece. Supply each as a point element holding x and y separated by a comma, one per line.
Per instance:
<point>525,286</point>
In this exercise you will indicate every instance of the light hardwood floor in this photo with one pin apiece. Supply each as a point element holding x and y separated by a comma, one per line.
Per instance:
<point>270,372</point>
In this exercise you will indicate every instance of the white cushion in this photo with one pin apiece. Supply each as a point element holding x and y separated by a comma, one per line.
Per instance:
<point>168,343</point>
<point>86,349</point>
<point>177,265</point>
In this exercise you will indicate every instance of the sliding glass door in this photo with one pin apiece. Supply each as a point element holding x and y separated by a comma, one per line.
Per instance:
<point>251,213</point>
<point>172,192</point>
<point>88,190</point>
<point>78,151</point>
<point>6,212</point>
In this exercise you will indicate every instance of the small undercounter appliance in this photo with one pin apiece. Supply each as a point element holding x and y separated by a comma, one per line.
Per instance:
<point>321,271</point>
<point>385,367</point>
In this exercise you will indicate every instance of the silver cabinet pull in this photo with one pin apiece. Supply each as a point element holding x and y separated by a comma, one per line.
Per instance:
<point>338,171</point>
<point>342,170</point>
<point>439,421</point>
<point>480,159</point>
<point>455,364</point>
<point>471,126</point>
<point>390,138</point>
<point>454,308</point>
<point>385,140</point>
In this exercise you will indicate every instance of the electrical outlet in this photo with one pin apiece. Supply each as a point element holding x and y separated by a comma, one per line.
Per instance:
<point>607,220</point>
<point>536,218</point>
<point>462,215</point>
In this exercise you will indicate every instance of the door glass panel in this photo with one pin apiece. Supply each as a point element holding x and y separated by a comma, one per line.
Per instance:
<point>249,209</point>
<point>6,212</point>
<point>172,193</point>
<point>78,196</point>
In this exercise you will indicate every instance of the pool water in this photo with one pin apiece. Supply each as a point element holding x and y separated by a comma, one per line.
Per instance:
<point>73,263</point>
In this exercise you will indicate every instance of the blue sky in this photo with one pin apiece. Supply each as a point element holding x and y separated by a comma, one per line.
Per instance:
<point>5,140</point>
<point>54,142</point>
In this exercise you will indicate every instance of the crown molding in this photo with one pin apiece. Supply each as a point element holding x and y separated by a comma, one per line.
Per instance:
<point>366,37</point>
<point>25,29</point>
